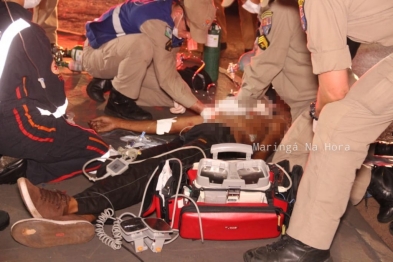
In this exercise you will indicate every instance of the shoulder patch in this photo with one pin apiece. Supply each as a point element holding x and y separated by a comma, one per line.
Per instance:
<point>168,45</point>
<point>266,22</point>
<point>168,32</point>
<point>302,15</point>
<point>263,42</point>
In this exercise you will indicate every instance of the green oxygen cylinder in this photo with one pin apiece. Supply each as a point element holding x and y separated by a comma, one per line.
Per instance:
<point>75,64</point>
<point>75,53</point>
<point>211,51</point>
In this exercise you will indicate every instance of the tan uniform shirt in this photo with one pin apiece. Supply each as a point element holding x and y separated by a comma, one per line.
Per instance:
<point>285,63</point>
<point>332,21</point>
<point>165,64</point>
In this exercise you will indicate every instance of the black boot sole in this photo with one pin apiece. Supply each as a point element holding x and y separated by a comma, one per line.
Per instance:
<point>94,96</point>
<point>97,88</point>
<point>385,219</point>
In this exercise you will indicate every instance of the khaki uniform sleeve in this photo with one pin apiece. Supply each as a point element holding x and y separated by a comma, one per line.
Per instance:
<point>165,64</point>
<point>327,35</point>
<point>268,63</point>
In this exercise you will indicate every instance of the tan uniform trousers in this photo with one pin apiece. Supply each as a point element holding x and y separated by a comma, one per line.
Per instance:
<point>295,145</point>
<point>128,60</point>
<point>345,130</point>
<point>45,14</point>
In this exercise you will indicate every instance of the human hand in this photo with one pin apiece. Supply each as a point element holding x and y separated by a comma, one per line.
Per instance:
<point>104,123</point>
<point>252,6</point>
<point>177,108</point>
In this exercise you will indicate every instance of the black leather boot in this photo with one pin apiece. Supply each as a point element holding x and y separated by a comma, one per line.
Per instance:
<point>97,88</point>
<point>121,106</point>
<point>4,220</point>
<point>287,249</point>
<point>11,169</point>
<point>381,188</point>
<point>383,149</point>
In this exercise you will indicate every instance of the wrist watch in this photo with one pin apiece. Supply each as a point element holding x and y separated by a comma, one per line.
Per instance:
<point>312,111</point>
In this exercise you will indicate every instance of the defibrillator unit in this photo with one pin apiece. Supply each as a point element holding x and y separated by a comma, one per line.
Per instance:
<point>231,181</point>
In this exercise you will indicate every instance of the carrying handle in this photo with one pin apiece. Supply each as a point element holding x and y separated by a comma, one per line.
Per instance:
<point>231,147</point>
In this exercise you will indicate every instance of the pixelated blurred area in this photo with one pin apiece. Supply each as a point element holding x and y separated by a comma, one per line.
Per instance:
<point>257,129</point>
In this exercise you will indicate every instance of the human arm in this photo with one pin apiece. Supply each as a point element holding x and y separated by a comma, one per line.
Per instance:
<point>268,63</point>
<point>106,123</point>
<point>333,86</point>
<point>327,42</point>
<point>165,66</point>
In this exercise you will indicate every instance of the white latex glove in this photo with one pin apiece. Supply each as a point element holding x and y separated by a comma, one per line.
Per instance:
<point>251,7</point>
<point>177,108</point>
<point>208,113</point>
<point>314,125</point>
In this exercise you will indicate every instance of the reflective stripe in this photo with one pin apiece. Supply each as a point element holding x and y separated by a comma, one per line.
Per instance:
<point>6,39</point>
<point>116,21</point>
<point>60,111</point>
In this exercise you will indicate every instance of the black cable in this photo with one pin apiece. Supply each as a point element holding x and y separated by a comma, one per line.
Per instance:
<point>133,253</point>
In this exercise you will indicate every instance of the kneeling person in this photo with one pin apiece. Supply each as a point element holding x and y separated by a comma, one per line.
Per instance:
<point>135,45</point>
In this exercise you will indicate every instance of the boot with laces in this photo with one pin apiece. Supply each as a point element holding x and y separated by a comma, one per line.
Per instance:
<point>43,203</point>
<point>287,249</point>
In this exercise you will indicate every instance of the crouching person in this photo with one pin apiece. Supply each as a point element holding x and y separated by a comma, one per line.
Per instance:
<point>33,103</point>
<point>135,45</point>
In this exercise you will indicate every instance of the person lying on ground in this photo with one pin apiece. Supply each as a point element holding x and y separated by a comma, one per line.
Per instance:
<point>255,128</point>
<point>51,208</point>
